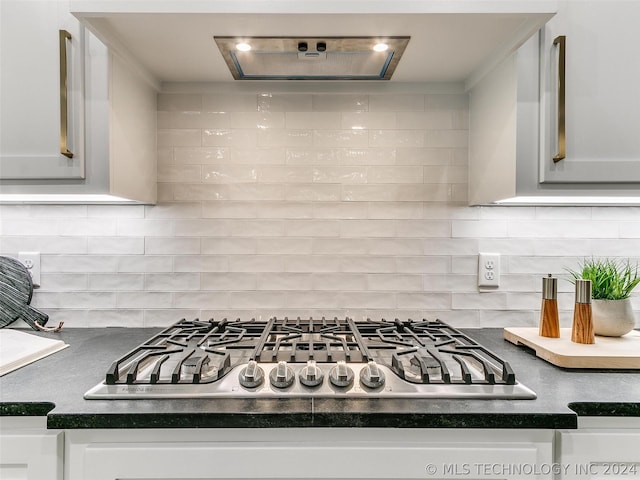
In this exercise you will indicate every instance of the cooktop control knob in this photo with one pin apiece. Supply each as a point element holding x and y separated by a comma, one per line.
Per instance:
<point>252,375</point>
<point>371,376</point>
<point>281,376</point>
<point>341,375</point>
<point>311,375</point>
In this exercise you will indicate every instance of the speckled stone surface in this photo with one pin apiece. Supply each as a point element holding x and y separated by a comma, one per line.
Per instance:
<point>55,386</point>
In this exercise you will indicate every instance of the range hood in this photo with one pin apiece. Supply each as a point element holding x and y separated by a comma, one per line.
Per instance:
<point>451,41</point>
<point>305,58</point>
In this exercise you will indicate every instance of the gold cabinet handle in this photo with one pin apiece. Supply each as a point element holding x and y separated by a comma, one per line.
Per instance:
<point>64,101</point>
<point>561,41</point>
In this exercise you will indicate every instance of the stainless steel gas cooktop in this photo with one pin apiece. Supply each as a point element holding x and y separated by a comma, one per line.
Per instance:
<point>280,358</point>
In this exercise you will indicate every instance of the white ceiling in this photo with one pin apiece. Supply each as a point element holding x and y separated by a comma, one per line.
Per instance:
<point>178,47</point>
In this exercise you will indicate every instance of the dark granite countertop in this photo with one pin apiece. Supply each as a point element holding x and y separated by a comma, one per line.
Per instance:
<point>55,386</point>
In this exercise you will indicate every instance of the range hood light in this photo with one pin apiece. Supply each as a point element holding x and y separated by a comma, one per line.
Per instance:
<point>243,47</point>
<point>312,58</point>
<point>381,47</point>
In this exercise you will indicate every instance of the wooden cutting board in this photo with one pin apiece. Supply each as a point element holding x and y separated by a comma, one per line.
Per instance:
<point>607,353</point>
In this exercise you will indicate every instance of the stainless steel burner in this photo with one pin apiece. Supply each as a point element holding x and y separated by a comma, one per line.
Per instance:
<point>310,358</point>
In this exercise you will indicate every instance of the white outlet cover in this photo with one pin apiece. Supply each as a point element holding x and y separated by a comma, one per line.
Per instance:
<point>31,260</point>
<point>489,270</point>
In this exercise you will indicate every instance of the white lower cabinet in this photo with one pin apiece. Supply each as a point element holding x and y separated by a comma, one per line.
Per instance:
<point>333,453</point>
<point>596,451</point>
<point>28,451</point>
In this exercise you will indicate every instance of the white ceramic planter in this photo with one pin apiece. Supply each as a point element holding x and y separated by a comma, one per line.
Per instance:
<point>612,318</point>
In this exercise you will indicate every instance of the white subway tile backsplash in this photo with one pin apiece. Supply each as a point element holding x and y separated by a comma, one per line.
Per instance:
<point>368,264</point>
<point>284,246</point>
<point>284,102</point>
<point>439,266</point>
<point>259,120</point>
<point>201,300</point>
<point>313,120</point>
<point>396,103</point>
<point>144,300</point>
<point>74,300</point>
<point>397,210</point>
<point>424,301</point>
<point>116,245</point>
<point>285,174</point>
<point>313,156</point>
<point>479,229</point>
<point>200,263</point>
<point>368,121</point>
<point>116,282</point>
<point>11,245</point>
<point>256,263</point>
<point>114,318</point>
<point>229,281</point>
<point>229,174</point>
<point>339,174</point>
<point>171,246</point>
<point>284,281</point>
<point>226,137</point>
<point>424,228</point>
<point>128,227</point>
<point>257,228</point>
<point>257,156</point>
<point>367,156</point>
<point>225,102</point>
<point>296,138</point>
<point>395,174</point>
<point>229,245</point>
<point>312,263</point>
<point>340,102</point>
<point>200,155</point>
<point>172,282</point>
<point>78,263</point>
<point>341,138</point>
<point>394,282</point>
<point>397,138</point>
<point>202,227</point>
<point>63,282</point>
<point>309,204</point>
<point>189,192</point>
<point>312,193</point>
<point>339,281</point>
<point>144,264</point>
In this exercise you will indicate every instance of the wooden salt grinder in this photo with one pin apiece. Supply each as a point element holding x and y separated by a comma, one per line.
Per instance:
<point>582,329</point>
<point>549,322</point>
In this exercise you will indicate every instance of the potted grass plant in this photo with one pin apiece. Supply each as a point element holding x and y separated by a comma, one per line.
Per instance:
<point>612,282</point>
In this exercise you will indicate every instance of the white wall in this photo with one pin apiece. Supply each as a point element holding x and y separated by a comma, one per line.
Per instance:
<point>308,204</point>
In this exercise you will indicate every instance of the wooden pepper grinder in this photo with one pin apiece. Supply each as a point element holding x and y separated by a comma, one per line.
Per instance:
<point>582,329</point>
<point>549,322</point>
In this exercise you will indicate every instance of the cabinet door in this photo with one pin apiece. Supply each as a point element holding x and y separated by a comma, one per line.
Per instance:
<point>31,91</point>
<point>599,454</point>
<point>386,455</point>
<point>31,455</point>
<point>602,93</point>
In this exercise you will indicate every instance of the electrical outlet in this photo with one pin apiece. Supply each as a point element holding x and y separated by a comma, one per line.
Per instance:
<point>489,270</point>
<point>31,260</point>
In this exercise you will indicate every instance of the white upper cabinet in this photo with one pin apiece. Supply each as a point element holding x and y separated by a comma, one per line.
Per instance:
<point>107,152</point>
<point>602,88</point>
<point>515,112</point>
<point>41,91</point>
